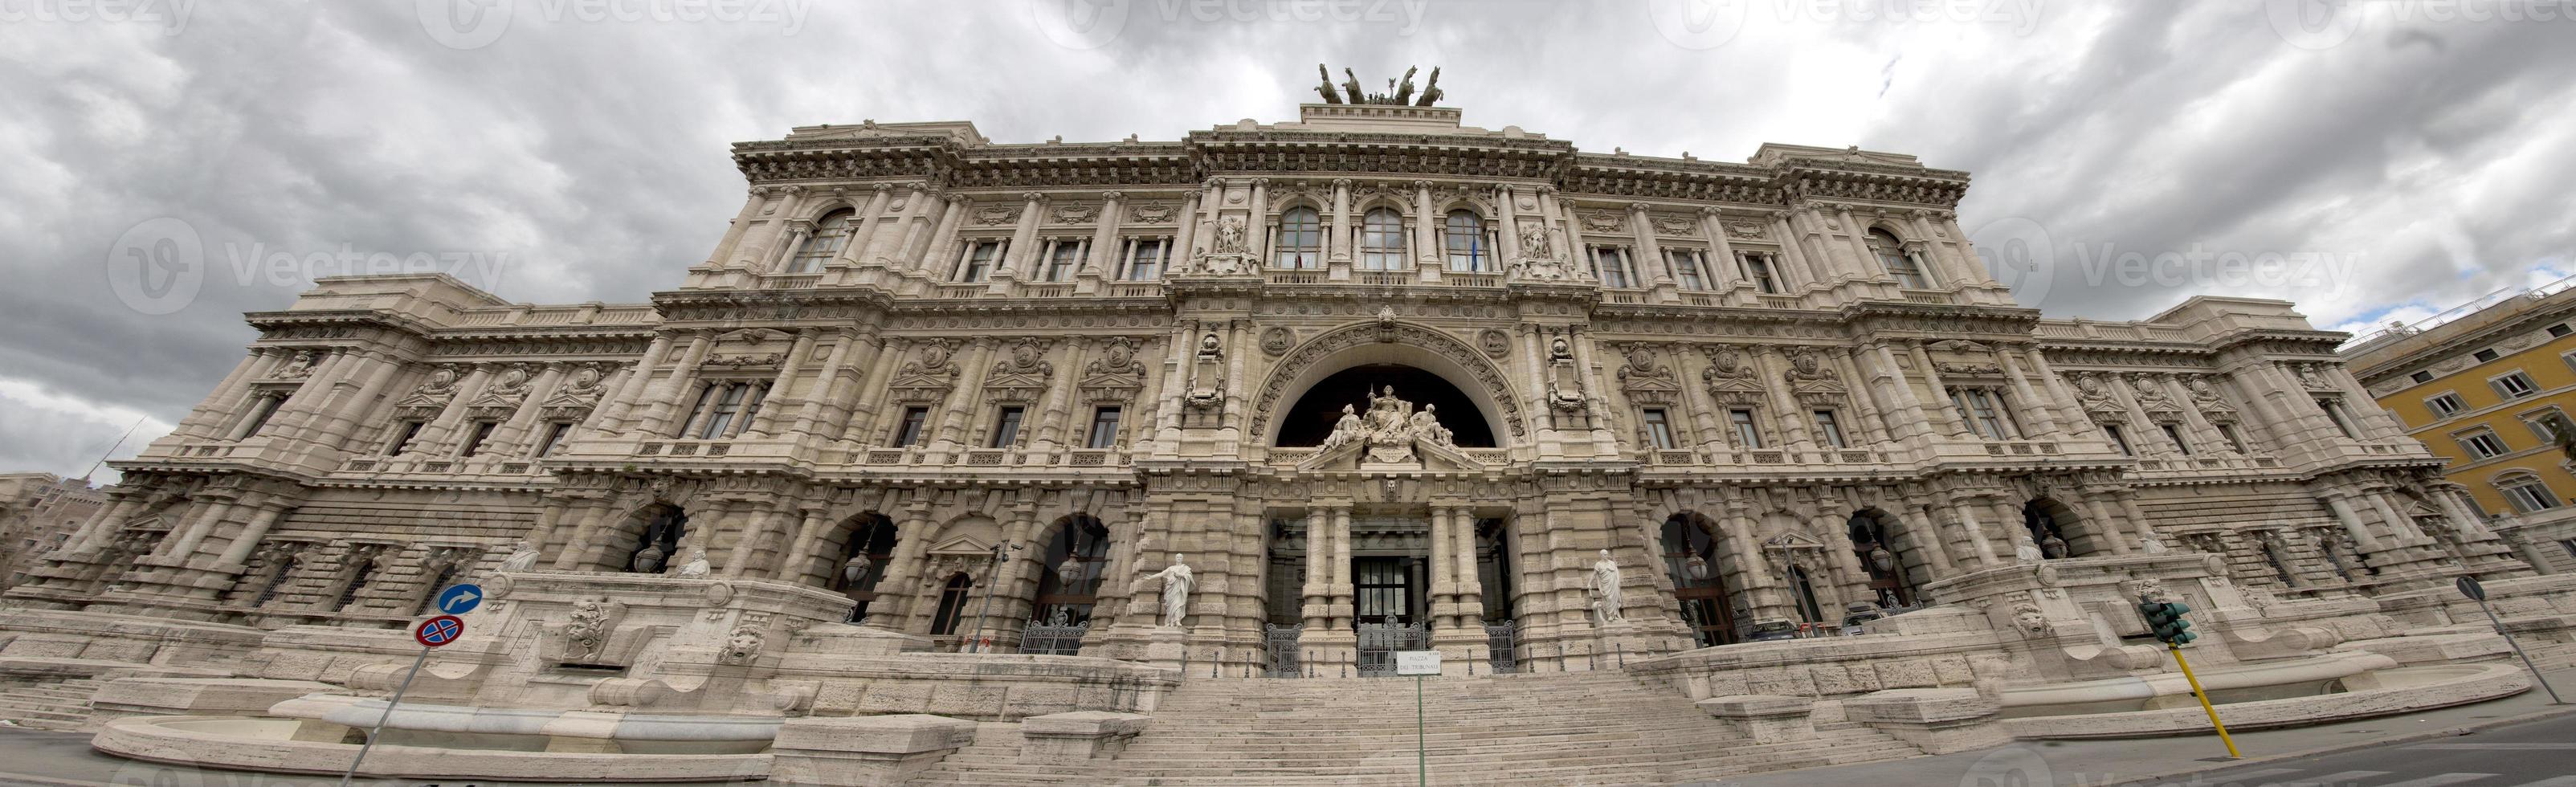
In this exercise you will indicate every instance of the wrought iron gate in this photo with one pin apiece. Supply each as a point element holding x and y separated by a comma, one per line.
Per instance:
<point>1378,643</point>
<point>1501,647</point>
<point>1053,640</point>
<point>1286,659</point>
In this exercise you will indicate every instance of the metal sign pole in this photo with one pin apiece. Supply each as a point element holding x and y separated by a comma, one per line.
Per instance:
<point>2203,696</point>
<point>1421,760</point>
<point>389,713</point>
<point>2517,650</point>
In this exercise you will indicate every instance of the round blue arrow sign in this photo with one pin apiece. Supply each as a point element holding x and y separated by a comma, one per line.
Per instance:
<point>439,630</point>
<point>460,599</point>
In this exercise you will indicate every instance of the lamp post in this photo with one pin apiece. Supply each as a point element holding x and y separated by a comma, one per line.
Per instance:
<point>991,570</point>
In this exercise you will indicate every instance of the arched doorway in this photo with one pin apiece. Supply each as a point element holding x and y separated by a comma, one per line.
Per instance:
<point>2049,523</point>
<point>1457,364</point>
<point>1894,568</point>
<point>653,538</point>
<point>863,546</point>
<point>952,604</point>
<point>1691,558</point>
<point>1076,554</point>
<point>1312,418</point>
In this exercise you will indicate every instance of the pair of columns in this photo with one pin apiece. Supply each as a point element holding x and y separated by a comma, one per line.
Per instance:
<point>1454,591</point>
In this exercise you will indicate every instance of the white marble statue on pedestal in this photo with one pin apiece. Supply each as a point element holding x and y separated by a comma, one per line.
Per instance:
<point>1176,591</point>
<point>1608,602</point>
<point>522,557</point>
<point>696,567</point>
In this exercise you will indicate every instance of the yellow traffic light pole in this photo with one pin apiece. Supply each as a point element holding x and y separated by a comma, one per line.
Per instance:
<point>2204,700</point>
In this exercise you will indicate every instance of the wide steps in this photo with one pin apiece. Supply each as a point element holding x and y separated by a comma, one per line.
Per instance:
<point>1583,728</point>
<point>49,705</point>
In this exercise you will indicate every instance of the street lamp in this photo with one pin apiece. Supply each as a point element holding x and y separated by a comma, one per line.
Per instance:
<point>981,611</point>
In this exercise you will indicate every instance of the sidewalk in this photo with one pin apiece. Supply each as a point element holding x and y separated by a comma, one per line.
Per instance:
<point>2091,763</point>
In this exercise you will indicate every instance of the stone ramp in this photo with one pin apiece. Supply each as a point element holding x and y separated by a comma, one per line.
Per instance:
<point>49,705</point>
<point>1595,728</point>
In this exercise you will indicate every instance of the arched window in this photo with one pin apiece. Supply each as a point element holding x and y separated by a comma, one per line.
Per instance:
<point>831,234</point>
<point>867,547</point>
<point>952,604</point>
<point>1301,239</point>
<point>1470,249</point>
<point>1898,262</point>
<point>1382,240</point>
<point>1076,553</point>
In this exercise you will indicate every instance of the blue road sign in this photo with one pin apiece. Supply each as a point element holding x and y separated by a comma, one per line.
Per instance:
<point>439,630</point>
<point>460,599</point>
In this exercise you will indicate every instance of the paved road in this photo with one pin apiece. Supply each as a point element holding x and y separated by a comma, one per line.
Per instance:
<point>2532,754</point>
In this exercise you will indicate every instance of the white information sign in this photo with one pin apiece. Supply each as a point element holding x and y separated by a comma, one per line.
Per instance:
<point>1417,662</point>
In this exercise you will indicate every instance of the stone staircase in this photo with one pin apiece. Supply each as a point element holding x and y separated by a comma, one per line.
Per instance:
<point>49,705</point>
<point>1582,728</point>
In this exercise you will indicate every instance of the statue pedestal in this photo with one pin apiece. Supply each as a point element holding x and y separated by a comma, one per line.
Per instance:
<point>1167,647</point>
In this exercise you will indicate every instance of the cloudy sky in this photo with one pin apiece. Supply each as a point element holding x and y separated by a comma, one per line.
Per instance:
<point>2370,160</point>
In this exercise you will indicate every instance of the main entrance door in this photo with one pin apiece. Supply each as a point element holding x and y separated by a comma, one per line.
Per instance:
<point>1388,606</point>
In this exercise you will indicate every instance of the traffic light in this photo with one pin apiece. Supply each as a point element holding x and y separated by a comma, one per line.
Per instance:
<point>2166,621</point>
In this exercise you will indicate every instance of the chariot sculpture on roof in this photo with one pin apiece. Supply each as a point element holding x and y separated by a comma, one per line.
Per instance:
<point>1399,92</point>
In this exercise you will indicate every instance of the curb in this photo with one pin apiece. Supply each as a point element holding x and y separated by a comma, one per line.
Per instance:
<point>2412,737</point>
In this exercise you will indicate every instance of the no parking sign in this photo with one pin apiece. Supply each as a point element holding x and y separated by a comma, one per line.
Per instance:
<point>439,630</point>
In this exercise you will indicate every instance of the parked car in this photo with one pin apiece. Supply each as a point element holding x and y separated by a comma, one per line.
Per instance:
<point>1768,629</point>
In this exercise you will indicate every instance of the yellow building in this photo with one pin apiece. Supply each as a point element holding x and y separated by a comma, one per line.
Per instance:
<point>2489,385</point>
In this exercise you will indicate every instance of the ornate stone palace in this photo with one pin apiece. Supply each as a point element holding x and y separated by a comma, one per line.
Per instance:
<point>1373,379</point>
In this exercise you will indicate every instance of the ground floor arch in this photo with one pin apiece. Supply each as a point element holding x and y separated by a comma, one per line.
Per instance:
<point>1895,562</point>
<point>1693,557</point>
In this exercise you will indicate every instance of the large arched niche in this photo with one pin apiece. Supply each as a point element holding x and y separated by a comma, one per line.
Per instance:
<point>1311,417</point>
<point>1379,344</point>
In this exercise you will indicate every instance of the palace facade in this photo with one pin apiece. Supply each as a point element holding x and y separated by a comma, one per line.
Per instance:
<point>1378,378</point>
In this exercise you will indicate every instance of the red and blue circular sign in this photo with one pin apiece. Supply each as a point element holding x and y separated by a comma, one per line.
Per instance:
<point>439,630</point>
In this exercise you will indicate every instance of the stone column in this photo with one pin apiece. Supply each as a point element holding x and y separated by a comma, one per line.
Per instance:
<point>2351,520</point>
<point>1344,597</point>
<point>585,534</point>
<point>210,515</point>
<point>1868,264</point>
<point>1427,251</point>
<point>858,424</point>
<point>765,422</point>
<point>798,560</point>
<point>2035,406</point>
<point>308,395</point>
<point>250,537</point>
<point>2010,516</point>
<point>1935,548</point>
<point>1791,412</point>
<point>1184,252</point>
<point>2103,528</point>
<point>864,229</point>
<point>1653,268</point>
<point>1872,416</point>
<point>2128,499</point>
<point>1315,596</point>
<point>662,399</point>
<point>939,246</point>
<point>889,244</point>
<point>903,574</point>
<point>2398,523</point>
<point>613,410</point>
<point>434,439</point>
<point>760,243</point>
<point>827,387</point>
<point>1984,549</point>
<point>1958,421</point>
<point>960,405</point>
<point>1104,238</point>
<point>1441,555</point>
<point>1057,412</point>
<point>1722,272</point>
<point>1915,420</point>
<point>335,422</point>
<point>758,525</point>
<point>208,410</point>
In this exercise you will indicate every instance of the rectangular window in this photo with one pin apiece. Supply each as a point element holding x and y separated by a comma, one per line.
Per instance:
<point>2528,495</point>
<point>1983,410</point>
<point>1659,428</point>
<point>555,433</point>
<point>2558,331</point>
<point>2118,440</point>
<point>1062,257</point>
<point>2421,377</point>
<point>1759,269</point>
<point>1147,265</point>
<point>403,433</point>
<point>1687,268</point>
<point>2334,412</point>
<point>474,440</point>
<point>2484,356</point>
<point>2568,544</point>
<point>2445,405</point>
<point>2483,445</point>
<point>977,263</point>
<point>1006,427</point>
<point>1104,428</point>
<point>728,406</point>
<point>2545,424</point>
<point>2174,433</point>
<point>1610,265</point>
<point>907,433</point>
<point>1901,265</point>
<point>2515,386</point>
<point>2235,439</point>
<point>1747,434</point>
<point>1829,429</point>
